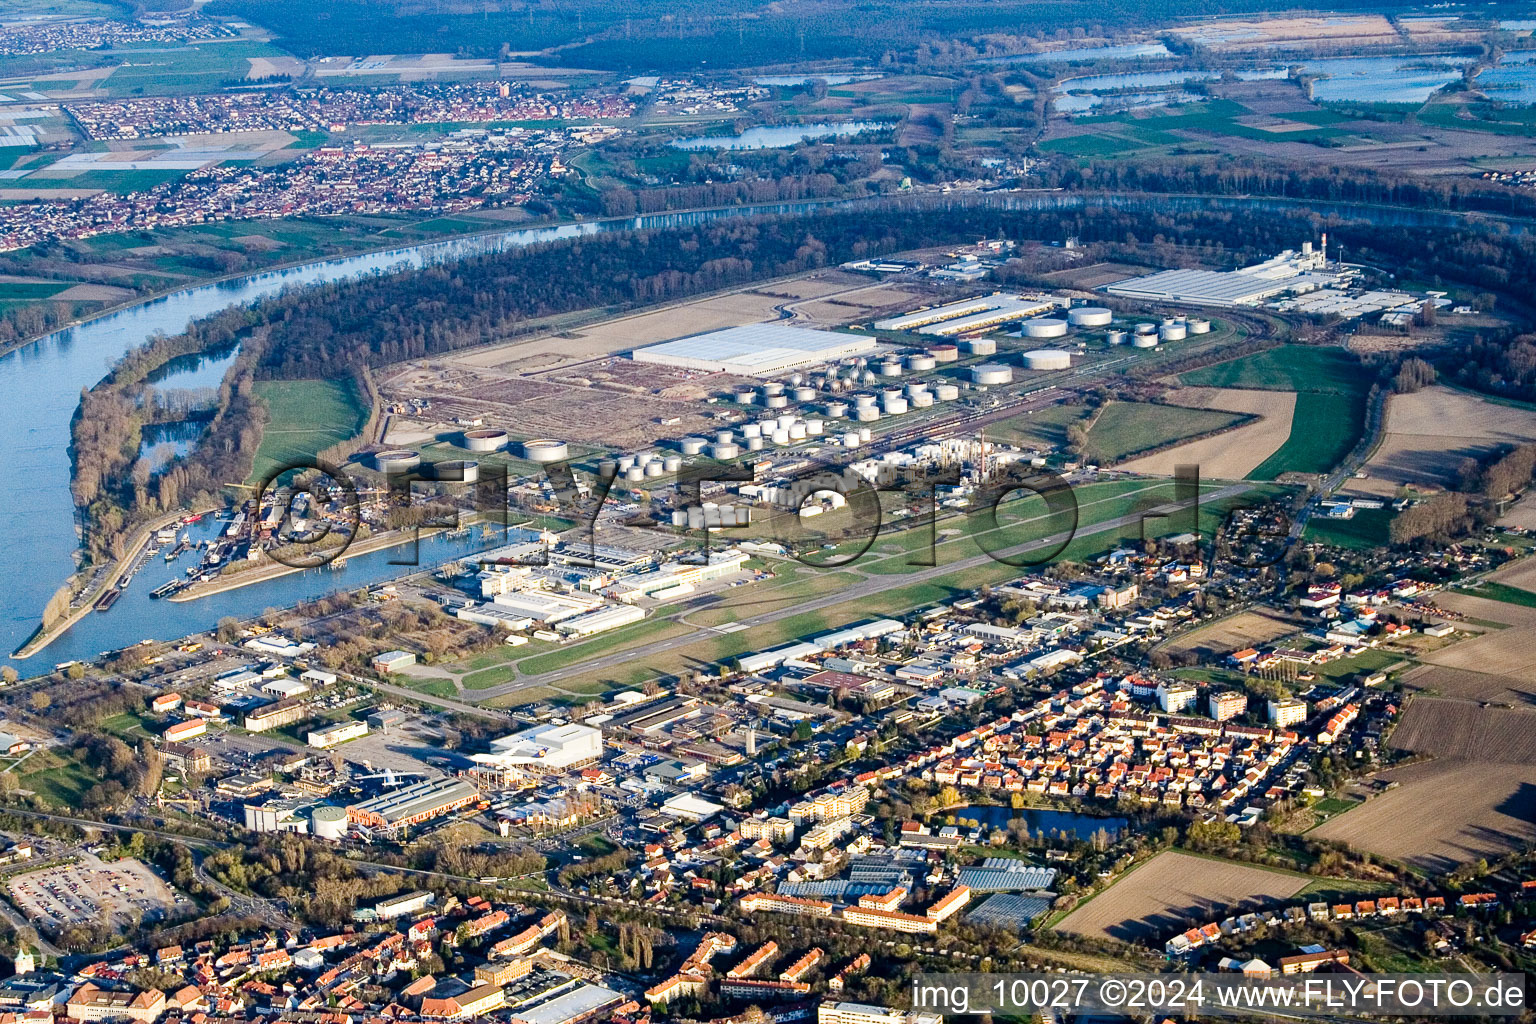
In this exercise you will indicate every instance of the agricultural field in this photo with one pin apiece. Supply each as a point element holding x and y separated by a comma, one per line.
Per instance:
<point>1173,890</point>
<point>1428,433</point>
<point>1443,813</point>
<point>1461,729</point>
<point>1330,402</point>
<point>1473,686</point>
<point>1125,429</point>
<point>305,417</point>
<point>1245,629</point>
<point>1042,428</point>
<point>1510,651</point>
<point>1235,453</point>
<point>1367,528</point>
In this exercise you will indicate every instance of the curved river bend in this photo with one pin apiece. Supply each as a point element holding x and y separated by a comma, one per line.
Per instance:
<point>41,384</point>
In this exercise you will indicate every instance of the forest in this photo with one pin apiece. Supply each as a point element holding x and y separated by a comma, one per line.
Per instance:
<point>659,35</point>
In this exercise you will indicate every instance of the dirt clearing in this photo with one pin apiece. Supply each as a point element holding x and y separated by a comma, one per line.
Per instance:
<point>1443,813</point>
<point>1246,629</point>
<point>1174,891</point>
<point>1429,433</point>
<point>1235,453</point>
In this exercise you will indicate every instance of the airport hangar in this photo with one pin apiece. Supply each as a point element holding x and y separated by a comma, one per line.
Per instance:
<point>756,350</point>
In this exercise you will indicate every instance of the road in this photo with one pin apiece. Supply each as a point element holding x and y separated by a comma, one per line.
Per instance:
<point>868,587</point>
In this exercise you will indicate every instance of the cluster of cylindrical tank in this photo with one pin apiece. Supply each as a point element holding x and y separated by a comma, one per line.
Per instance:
<point>1047,359</point>
<point>980,346</point>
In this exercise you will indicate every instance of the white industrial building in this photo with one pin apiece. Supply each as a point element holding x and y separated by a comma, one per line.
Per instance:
<point>546,748</point>
<point>978,314</point>
<point>756,350</point>
<point>601,620</point>
<point>546,606</point>
<point>1289,273</point>
<point>340,732</point>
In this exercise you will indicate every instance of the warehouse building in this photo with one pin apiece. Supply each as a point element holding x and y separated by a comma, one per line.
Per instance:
<point>1289,273</point>
<point>755,350</point>
<point>547,749</point>
<point>413,804</point>
<point>969,315</point>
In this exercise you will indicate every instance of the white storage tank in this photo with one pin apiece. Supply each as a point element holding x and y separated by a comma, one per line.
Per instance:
<point>1045,327</point>
<point>851,439</point>
<point>397,460</point>
<point>328,822</point>
<point>797,431</point>
<point>1199,325</point>
<point>672,463</point>
<point>755,444</point>
<point>890,368</point>
<point>1144,341</point>
<point>991,373</point>
<point>693,445</point>
<point>607,468</point>
<point>487,440</point>
<point>464,471</point>
<point>1145,329</point>
<point>864,434</point>
<point>916,388</point>
<point>1115,337</point>
<point>946,392</point>
<point>776,401</point>
<point>679,517</point>
<point>1047,359</point>
<point>919,363</point>
<point>634,474</point>
<point>867,414</point>
<point>785,420</point>
<point>723,437</point>
<point>863,401</point>
<point>980,346</point>
<point>895,406</point>
<point>1173,332</point>
<point>751,430</point>
<point>746,396</point>
<point>814,426</point>
<point>837,410</point>
<point>781,436</point>
<point>722,450</point>
<point>773,387</point>
<point>1090,316</point>
<point>921,400</point>
<point>544,449</point>
<point>944,353</point>
<point>804,394</point>
<point>653,468</point>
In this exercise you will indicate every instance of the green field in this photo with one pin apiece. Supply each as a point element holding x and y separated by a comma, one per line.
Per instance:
<point>1369,528</point>
<point>1041,428</point>
<point>1504,592</point>
<point>197,67</point>
<point>1124,429</point>
<point>305,417</point>
<point>1331,392</point>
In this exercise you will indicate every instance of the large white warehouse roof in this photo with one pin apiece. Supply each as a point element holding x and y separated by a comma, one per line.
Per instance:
<point>756,350</point>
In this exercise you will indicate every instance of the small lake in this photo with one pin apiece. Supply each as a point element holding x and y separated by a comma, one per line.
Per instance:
<point>780,136</point>
<point>1109,92</point>
<point>1513,81</point>
<point>1410,79</point>
<point>1045,822</point>
<point>793,80</point>
<point>1124,51</point>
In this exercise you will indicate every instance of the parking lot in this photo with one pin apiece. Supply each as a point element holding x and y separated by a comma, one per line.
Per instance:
<point>89,890</point>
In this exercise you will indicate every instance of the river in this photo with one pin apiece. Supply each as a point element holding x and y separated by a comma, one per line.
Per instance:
<point>42,382</point>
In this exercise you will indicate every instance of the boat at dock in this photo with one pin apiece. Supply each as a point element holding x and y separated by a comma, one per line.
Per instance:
<point>109,599</point>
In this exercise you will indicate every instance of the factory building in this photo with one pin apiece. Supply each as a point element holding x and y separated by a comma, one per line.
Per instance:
<point>340,732</point>
<point>755,350</point>
<point>1289,273</point>
<point>413,804</point>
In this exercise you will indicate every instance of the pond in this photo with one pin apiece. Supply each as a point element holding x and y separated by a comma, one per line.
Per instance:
<point>1408,79</point>
<point>780,136</point>
<point>793,80</point>
<point>1124,51</point>
<point>1513,81</point>
<point>1043,821</point>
